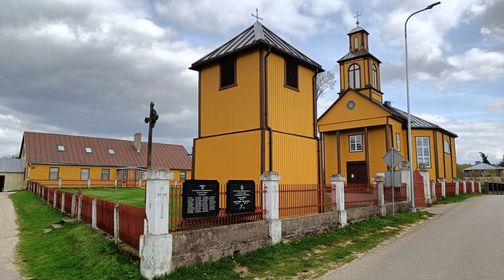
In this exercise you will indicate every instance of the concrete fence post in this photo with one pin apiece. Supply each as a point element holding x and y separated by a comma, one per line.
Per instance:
<point>479,187</point>
<point>404,169</point>
<point>60,183</point>
<point>79,207</point>
<point>115,183</point>
<point>427,189</point>
<point>156,244</point>
<point>73,206</point>
<point>89,183</point>
<point>457,188</point>
<point>62,202</point>
<point>433,191</point>
<point>116,223</point>
<point>472,185</point>
<point>338,183</point>
<point>465,186</point>
<point>93,213</point>
<point>379,180</point>
<point>55,198</point>
<point>270,181</point>
<point>443,187</point>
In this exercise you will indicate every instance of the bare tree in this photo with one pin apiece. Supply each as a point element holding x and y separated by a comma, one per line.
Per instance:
<point>325,80</point>
<point>12,155</point>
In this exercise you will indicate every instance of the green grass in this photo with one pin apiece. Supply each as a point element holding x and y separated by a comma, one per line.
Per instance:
<point>78,252</point>
<point>130,196</point>
<point>456,198</point>
<point>73,252</point>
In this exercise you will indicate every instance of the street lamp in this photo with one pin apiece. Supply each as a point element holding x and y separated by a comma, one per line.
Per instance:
<point>410,151</point>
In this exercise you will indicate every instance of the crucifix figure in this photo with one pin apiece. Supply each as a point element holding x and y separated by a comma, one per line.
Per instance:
<point>357,15</point>
<point>151,120</point>
<point>257,15</point>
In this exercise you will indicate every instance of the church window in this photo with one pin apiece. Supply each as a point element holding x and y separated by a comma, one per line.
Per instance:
<point>355,143</point>
<point>356,42</point>
<point>228,73</point>
<point>423,152</point>
<point>291,73</point>
<point>354,76</point>
<point>375,76</point>
<point>447,147</point>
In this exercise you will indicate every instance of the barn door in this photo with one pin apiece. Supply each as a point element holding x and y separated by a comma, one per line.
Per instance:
<point>357,172</point>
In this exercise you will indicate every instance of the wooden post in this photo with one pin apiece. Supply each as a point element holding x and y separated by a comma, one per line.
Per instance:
<point>116,223</point>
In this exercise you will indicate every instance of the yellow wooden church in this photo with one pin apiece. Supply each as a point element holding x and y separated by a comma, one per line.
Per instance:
<point>257,110</point>
<point>359,127</point>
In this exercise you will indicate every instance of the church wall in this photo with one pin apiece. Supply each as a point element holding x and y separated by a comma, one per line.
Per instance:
<point>377,149</point>
<point>454,157</point>
<point>229,157</point>
<point>235,108</point>
<point>290,110</point>
<point>330,155</point>
<point>428,133</point>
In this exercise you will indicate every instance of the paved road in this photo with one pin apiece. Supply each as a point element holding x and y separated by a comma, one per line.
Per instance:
<point>466,241</point>
<point>8,239</point>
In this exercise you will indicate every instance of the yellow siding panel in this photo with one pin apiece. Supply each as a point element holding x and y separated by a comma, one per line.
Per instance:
<point>232,109</point>
<point>290,111</point>
<point>295,159</point>
<point>330,155</point>
<point>377,149</point>
<point>229,157</point>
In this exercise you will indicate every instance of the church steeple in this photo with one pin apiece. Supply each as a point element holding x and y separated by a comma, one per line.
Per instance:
<point>359,69</point>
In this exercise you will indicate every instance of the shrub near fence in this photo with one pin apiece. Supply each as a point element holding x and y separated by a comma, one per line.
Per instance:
<point>359,195</point>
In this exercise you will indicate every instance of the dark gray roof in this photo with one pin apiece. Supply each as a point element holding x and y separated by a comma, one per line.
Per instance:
<point>416,122</point>
<point>357,54</point>
<point>483,166</point>
<point>357,29</point>
<point>11,165</point>
<point>256,34</point>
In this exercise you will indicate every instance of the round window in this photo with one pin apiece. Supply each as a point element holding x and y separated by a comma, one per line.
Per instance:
<point>350,105</point>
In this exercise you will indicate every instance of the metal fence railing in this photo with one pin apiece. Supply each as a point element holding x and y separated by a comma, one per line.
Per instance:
<point>304,199</point>
<point>399,194</point>
<point>360,195</point>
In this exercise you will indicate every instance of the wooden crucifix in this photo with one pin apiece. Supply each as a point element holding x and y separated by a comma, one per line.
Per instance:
<point>151,120</point>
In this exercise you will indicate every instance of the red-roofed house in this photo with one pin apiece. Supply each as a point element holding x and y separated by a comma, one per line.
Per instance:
<point>49,157</point>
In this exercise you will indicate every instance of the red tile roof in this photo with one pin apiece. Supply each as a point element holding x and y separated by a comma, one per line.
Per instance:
<point>43,148</point>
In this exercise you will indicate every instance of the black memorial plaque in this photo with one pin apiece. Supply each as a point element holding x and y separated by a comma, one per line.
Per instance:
<point>240,197</point>
<point>200,198</point>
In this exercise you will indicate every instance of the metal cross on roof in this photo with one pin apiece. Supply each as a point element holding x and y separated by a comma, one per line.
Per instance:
<point>357,15</point>
<point>257,15</point>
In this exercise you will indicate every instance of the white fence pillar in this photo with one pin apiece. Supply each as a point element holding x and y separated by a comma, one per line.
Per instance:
<point>115,183</point>
<point>60,183</point>
<point>156,244</point>
<point>62,202</point>
<point>79,207</point>
<point>433,191</point>
<point>457,186</point>
<point>338,183</point>
<point>73,206</point>
<point>89,183</point>
<point>379,180</point>
<point>479,187</point>
<point>472,185</point>
<point>404,169</point>
<point>465,186</point>
<point>443,187</point>
<point>93,213</point>
<point>270,181</point>
<point>116,223</point>
<point>55,198</point>
<point>427,189</point>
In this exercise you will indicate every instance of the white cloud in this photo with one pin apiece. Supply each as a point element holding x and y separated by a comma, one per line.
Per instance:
<point>473,137</point>
<point>497,105</point>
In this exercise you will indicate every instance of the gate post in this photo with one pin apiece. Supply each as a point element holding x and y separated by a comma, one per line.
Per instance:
<point>433,191</point>
<point>156,244</point>
<point>443,187</point>
<point>427,190</point>
<point>456,180</point>
<point>270,181</point>
<point>404,169</point>
<point>338,183</point>
<point>378,180</point>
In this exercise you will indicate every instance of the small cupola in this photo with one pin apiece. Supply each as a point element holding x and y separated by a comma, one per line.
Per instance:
<point>358,39</point>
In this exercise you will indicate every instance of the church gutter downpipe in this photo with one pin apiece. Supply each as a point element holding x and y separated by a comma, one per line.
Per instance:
<point>410,150</point>
<point>266,110</point>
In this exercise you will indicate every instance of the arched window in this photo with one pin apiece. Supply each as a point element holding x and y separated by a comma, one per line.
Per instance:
<point>356,43</point>
<point>354,76</point>
<point>375,76</point>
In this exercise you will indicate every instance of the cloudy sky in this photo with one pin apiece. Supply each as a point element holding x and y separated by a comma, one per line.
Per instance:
<point>90,67</point>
